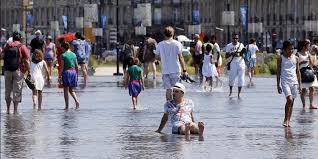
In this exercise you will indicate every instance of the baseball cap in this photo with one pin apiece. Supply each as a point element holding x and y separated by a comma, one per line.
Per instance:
<point>179,86</point>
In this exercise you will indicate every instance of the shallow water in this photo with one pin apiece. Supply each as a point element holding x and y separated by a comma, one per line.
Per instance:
<point>107,127</point>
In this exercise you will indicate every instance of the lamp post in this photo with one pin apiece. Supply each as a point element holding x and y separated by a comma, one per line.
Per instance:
<point>117,43</point>
<point>228,26</point>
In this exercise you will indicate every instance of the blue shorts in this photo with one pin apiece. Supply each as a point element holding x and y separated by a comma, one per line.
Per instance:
<point>69,78</point>
<point>134,88</point>
<point>252,63</point>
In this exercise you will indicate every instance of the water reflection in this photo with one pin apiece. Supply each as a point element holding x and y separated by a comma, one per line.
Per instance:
<point>68,138</point>
<point>288,134</point>
<point>151,83</point>
<point>14,137</point>
<point>106,128</point>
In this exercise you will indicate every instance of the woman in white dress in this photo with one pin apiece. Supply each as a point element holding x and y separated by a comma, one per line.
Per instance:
<point>37,66</point>
<point>305,61</point>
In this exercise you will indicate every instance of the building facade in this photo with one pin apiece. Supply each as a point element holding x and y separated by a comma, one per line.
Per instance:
<point>271,21</point>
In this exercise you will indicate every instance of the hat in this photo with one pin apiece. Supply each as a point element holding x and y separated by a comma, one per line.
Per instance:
<point>179,86</point>
<point>196,35</point>
<point>49,37</point>
<point>38,32</point>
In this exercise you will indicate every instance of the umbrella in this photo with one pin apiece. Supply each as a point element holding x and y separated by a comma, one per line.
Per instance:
<point>68,37</point>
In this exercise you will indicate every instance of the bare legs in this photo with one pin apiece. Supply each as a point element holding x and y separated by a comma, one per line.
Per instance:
<point>73,94</point>
<point>153,65</point>
<point>134,101</point>
<point>37,99</point>
<point>84,70</point>
<point>50,68</point>
<point>238,93</point>
<point>311,97</point>
<point>251,75</point>
<point>288,111</point>
<point>192,128</point>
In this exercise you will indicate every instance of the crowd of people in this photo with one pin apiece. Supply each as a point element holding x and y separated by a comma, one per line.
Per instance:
<point>24,64</point>
<point>296,71</point>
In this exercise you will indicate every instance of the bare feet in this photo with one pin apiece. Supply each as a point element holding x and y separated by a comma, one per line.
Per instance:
<point>286,124</point>
<point>66,108</point>
<point>187,128</point>
<point>313,107</point>
<point>230,94</point>
<point>201,128</point>
<point>77,105</point>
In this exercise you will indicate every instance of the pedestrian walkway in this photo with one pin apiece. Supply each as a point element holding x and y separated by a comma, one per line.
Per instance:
<point>107,70</point>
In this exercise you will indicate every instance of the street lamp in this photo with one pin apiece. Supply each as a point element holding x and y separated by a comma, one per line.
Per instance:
<point>117,43</point>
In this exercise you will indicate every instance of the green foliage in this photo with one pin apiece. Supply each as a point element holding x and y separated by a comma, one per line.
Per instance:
<point>271,62</point>
<point>262,69</point>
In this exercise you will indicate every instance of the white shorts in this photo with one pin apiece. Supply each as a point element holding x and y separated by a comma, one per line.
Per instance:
<point>290,89</point>
<point>169,80</point>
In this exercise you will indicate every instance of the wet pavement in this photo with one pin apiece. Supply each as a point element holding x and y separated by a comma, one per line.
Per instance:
<point>107,127</point>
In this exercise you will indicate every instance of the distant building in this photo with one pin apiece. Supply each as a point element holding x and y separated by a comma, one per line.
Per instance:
<point>278,19</point>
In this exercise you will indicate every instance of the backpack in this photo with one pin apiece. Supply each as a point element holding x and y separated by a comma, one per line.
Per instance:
<point>247,55</point>
<point>80,50</point>
<point>128,51</point>
<point>12,57</point>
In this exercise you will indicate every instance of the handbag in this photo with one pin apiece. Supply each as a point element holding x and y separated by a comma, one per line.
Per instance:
<point>29,83</point>
<point>307,74</point>
<point>228,65</point>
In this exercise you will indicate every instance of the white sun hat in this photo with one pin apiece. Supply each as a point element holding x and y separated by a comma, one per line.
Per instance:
<point>179,86</point>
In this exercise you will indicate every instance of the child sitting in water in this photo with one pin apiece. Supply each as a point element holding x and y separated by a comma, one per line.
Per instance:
<point>134,81</point>
<point>180,112</point>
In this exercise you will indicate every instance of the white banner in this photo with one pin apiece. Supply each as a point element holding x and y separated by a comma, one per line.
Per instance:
<point>88,24</point>
<point>90,13</point>
<point>79,22</point>
<point>16,27</point>
<point>98,31</point>
<point>255,27</point>
<point>54,25</point>
<point>194,29</point>
<point>142,14</point>
<point>140,30</point>
<point>157,15</point>
<point>228,18</point>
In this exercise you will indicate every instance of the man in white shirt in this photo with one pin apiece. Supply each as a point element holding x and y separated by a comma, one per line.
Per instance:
<point>170,54</point>
<point>252,47</point>
<point>234,52</point>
